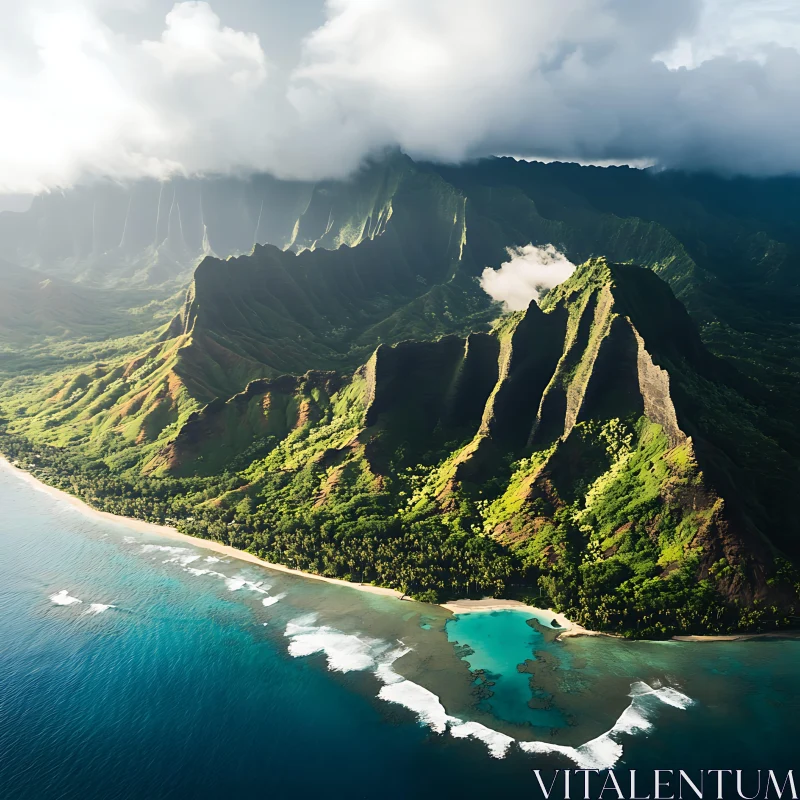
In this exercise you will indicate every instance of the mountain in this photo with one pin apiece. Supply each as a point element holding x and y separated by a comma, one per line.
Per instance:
<point>148,233</point>
<point>273,312</point>
<point>592,447</point>
<point>728,247</point>
<point>629,448</point>
<point>596,437</point>
<point>117,258</point>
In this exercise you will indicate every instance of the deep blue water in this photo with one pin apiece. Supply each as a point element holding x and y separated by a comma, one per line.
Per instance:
<point>190,685</point>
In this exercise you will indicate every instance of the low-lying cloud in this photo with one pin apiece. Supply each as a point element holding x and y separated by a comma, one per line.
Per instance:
<point>530,272</point>
<point>127,88</point>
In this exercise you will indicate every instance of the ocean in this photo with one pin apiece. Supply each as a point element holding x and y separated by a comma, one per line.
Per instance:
<point>135,667</point>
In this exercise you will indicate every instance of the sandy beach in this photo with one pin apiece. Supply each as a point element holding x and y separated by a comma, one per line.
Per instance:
<point>167,532</point>
<point>544,614</point>
<point>739,637</point>
<point>454,606</point>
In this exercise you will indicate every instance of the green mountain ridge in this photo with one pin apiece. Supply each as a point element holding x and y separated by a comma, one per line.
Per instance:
<point>574,415</point>
<point>634,464</point>
<point>148,233</point>
<point>592,449</point>
<point>287,312</point>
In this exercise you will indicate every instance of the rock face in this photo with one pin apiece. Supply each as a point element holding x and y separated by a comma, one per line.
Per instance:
<point>654,389</point>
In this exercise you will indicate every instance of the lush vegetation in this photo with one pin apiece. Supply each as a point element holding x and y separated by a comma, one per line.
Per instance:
<point>605,454</point>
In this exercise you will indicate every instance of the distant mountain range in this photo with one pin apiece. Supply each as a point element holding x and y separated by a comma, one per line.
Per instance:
<point>341,395</point>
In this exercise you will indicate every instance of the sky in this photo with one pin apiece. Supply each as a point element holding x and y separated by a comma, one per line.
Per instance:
<point>309,89</point>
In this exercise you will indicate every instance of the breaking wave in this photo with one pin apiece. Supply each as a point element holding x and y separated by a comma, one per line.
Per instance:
<point>605,751</point>
<point>97,608</point>
<point>63,598</point>
<point>237,583</point>
<point>270,601</point>
<point>347,652</point>
<point>164,548</point>
<point>198,571</point>
<point>184,557</point>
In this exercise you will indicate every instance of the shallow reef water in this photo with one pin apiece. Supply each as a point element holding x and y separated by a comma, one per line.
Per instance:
<point>131,666</point>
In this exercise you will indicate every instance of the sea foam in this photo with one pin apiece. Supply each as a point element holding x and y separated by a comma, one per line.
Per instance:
<point>424,703</point>
<point>353,652</point>
<point>182,556</point>
<point>270,601</point>
<point>97,608</point>
<point>164,548</point>
<point>605,751</point>
<point>237,583</point>
<point>63,598</point>
<point>345,652</point>
<point>497,743</point>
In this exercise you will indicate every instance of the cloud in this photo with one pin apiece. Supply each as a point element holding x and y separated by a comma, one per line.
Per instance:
<point>136,87</point>
<point>584,80</point>
<point>530,272</point>
<point>85,100</point>
<point>196,44</point>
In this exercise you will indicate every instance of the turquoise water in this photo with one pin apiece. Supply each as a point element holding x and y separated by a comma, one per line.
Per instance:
<point>497,640</point>
<point>181,676</point>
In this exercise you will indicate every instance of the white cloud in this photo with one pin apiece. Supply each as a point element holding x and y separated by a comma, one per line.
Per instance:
<point>451,79</point>
<point>529,273</point>
<point>195,43</point>
<point>86,100</point>
<point>130,87</point>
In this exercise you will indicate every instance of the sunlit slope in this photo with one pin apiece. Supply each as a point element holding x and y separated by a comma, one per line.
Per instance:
<point>728,247</point>
<point>275,312</point>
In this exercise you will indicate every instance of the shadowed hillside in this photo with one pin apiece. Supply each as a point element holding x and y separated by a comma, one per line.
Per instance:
<point>148,233</point>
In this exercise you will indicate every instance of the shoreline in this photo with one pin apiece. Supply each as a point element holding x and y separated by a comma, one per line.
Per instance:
<point>545,615</point>
<point>465,606</point>
<point>168,532</point>
<point>737,637</point>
